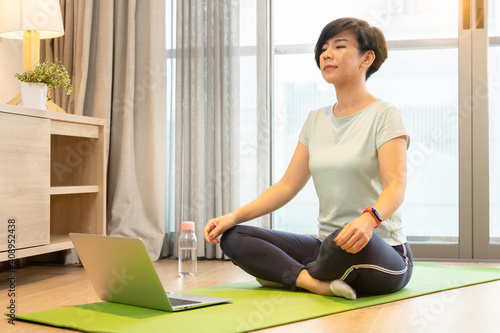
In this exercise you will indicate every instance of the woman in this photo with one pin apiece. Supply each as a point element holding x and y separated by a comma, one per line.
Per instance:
<point>355,152</point>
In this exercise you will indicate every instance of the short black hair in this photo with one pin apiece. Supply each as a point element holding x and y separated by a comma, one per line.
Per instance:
<point>368,38</point>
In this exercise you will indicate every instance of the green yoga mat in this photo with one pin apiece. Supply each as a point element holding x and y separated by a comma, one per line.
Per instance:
<point>253,308</point>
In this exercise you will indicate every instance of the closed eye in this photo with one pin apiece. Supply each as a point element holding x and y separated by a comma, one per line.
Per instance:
<point>340,47</point>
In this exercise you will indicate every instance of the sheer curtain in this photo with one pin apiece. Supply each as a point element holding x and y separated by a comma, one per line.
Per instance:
<point>216,113</point>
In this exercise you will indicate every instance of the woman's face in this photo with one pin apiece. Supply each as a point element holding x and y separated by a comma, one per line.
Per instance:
<point>340,60</point>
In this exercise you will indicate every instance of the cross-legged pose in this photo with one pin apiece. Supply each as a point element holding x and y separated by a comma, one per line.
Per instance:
<point>355,152</point>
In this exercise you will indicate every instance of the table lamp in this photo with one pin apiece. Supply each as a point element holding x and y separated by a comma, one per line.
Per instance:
<point>31,20</point>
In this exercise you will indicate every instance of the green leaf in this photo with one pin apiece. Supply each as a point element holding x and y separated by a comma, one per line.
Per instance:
<point>53,74</point>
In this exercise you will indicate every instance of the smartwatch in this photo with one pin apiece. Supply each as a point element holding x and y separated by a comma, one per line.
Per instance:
<point>375,215</point>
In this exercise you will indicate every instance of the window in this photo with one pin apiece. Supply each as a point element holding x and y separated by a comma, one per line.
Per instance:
<point>433,74</point>
<point>420,77</point>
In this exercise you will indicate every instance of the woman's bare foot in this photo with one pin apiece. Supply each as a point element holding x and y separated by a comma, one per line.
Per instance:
<point>321,287</point>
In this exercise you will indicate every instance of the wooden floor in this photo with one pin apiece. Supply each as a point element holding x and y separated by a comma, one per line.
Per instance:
<point>471,309</point>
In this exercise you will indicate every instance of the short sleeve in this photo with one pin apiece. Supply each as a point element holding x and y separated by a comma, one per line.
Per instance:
<point>304,133</point>
<point>391,126</point>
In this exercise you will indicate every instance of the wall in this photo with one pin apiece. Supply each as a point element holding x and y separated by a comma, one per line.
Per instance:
<point>11,62</point>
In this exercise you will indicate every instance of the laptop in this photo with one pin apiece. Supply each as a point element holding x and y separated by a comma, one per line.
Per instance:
<point>121,271</point>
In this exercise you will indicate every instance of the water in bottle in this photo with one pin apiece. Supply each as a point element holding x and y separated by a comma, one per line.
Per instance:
<point>187,250</point>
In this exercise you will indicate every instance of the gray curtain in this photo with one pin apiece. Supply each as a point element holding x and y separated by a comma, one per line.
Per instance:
<point>207,114</point>
<point>115,53</point>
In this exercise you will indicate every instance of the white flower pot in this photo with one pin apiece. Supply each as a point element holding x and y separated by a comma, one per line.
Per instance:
<point>34,95</point>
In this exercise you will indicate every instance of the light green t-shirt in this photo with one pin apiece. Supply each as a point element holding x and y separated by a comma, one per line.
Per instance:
<point>343,160</point>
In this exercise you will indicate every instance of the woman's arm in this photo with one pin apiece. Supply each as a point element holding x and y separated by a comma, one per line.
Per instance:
<point>392,162</point>
<point>276,196</point>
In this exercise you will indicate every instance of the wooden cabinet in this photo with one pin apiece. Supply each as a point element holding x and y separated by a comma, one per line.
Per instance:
<point>52,179</point>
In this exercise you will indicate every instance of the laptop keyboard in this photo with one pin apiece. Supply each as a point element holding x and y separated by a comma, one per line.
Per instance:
<point>180,301</point>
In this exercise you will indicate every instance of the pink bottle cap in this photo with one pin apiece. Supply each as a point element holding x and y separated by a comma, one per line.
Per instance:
<point>187,225</point>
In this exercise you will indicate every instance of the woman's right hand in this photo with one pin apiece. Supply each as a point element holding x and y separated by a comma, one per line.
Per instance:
<point>216,227</point>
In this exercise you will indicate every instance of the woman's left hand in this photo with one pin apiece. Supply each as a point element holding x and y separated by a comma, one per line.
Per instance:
<point>356,234</point>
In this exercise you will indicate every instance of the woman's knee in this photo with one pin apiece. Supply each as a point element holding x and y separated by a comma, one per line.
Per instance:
<point>231,240</point>
<point>226,241</point>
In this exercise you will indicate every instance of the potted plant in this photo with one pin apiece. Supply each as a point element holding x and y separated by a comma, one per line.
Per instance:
<point>38,83</point>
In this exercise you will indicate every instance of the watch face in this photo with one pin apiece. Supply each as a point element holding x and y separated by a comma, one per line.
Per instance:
<point>377,214</point>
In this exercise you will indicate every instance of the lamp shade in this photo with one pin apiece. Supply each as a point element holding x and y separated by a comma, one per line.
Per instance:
<point>17,16</point>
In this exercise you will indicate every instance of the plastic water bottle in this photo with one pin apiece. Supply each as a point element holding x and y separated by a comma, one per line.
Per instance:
<point>187,250</point>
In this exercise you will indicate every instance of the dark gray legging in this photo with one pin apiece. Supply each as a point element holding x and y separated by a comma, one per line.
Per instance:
<point>279,257</point>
